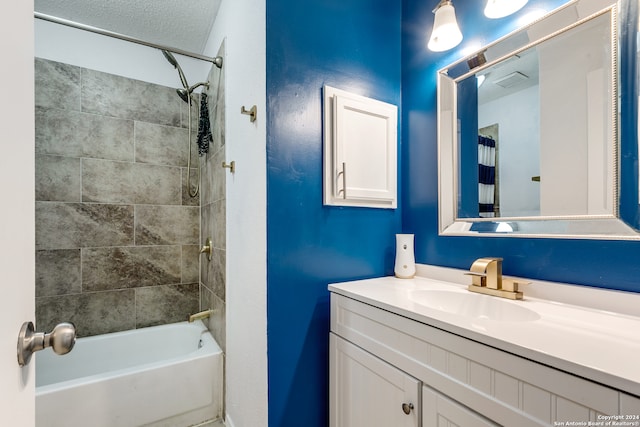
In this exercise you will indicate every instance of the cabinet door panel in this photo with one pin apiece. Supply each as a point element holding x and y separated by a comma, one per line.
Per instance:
<point>360,150</point>
<point>440,411</point>
<point>363,143</point>
<point>629,405</point>
<point>368,392</point>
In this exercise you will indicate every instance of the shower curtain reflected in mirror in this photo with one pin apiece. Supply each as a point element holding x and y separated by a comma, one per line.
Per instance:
<point>486,176</point>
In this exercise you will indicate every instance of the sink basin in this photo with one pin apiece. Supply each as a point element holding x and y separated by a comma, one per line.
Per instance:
<point>474,306</point>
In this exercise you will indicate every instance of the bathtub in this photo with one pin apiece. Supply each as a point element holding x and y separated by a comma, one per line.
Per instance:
<point>168,375</point>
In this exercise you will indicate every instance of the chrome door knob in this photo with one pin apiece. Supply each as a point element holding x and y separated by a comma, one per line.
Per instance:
<point>61,339</point>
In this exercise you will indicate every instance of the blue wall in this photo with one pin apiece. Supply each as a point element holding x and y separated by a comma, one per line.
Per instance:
<point>609,264</point>
<point>371,47</point>
<point>352,45</point>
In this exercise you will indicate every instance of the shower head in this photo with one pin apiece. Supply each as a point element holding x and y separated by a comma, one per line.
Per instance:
<point>173,61</point>
<point>185,93</point>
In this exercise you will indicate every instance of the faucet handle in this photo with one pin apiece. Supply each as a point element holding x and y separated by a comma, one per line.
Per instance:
<point>511,285</point>
<point>477,279</point>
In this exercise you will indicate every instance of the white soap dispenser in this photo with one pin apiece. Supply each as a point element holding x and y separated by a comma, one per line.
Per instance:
<point>405,267</point>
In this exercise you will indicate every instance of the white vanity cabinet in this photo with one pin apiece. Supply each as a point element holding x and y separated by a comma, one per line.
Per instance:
<point>374,392</point>
<point>368,392</point>
<point>440,411</point>
<point>380,360</point>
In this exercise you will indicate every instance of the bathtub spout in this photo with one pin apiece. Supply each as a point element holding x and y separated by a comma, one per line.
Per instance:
<point>201,315</point>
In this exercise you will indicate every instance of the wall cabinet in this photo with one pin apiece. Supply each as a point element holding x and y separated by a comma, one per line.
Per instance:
<point>360,150</point>
<point>378,358</point>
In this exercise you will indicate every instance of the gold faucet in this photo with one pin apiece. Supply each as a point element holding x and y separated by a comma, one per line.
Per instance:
<point>487,279</point>
<point>201,315</point>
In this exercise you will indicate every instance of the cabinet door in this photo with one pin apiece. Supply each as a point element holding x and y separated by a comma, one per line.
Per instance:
<point>440,411</point>
<point>360,150</point>
<point>368,392</point>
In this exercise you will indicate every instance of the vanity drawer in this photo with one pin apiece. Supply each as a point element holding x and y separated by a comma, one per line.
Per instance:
<point>506,388</point>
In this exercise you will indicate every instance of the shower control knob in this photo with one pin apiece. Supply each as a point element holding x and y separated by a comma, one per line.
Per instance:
<point>61,339</point>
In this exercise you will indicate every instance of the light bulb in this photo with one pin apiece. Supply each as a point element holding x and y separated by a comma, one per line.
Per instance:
<point>501,8</point>
<point>446,34</point>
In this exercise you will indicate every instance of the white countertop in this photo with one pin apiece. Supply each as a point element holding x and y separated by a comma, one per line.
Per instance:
<point>595,344</point>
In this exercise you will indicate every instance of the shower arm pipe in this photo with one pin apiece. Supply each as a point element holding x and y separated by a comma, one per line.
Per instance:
<point>197,85</point>
<point>77,25</point>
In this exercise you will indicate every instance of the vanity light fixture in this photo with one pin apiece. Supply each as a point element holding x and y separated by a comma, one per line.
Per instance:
<point>501,8</point>
<point>446,34</point>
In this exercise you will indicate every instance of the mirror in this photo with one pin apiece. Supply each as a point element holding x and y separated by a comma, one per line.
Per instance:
<point>527,131</point>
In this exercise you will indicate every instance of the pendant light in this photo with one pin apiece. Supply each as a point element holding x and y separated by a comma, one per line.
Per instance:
<point>501,8</point>
<point>446,34</point>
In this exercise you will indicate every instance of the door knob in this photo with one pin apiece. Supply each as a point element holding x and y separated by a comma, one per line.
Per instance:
<point>61,339</point>
<point>407,407</point>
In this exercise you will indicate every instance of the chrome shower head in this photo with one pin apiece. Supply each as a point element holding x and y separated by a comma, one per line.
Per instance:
<point>173,61</point>
<point>184,94</point>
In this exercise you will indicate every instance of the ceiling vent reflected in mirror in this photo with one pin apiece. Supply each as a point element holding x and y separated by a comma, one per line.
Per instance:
<point>511,80</point>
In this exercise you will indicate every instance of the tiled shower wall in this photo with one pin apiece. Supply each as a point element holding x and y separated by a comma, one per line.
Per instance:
<point>117,234</point>
<point>213,220</point>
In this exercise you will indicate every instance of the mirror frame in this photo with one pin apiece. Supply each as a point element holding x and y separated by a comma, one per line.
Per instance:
<point>579,226</point>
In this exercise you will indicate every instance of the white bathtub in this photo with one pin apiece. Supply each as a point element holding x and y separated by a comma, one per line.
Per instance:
<point>168,375</point>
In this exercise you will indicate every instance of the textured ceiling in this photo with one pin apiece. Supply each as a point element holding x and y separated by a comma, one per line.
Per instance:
<point>183,24</point>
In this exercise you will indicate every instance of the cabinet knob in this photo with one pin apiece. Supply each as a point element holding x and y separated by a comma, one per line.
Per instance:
<point>407,407</point>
